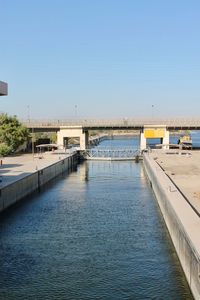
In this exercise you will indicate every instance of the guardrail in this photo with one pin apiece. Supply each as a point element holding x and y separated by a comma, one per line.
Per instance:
<point>106,152</point>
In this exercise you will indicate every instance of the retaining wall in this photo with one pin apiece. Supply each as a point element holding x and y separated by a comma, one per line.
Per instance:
<point>19,189</point>
<point>182,222</point>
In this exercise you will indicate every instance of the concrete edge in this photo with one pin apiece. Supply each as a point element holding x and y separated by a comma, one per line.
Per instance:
<point>181,220</point>
<point>21,188</point>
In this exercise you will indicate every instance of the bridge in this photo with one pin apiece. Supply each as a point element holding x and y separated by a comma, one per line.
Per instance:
<point>104,153</point>
<point>116,124</point>
<point>148,128</point>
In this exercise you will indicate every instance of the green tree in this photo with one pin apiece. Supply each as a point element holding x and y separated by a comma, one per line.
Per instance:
<point>46,135</point>
<point>12,134</point>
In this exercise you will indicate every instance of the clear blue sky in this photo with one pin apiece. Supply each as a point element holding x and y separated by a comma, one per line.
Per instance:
<point>108,58</point>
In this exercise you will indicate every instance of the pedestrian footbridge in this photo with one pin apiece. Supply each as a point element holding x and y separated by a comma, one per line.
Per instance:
<point>105,153</point>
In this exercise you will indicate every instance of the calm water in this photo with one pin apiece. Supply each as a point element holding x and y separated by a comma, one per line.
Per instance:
<point>134,142</point>
<point>94,234</point>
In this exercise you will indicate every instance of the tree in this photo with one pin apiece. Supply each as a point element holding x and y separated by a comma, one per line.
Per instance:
<point>12,134</point>
<point>46,135</point>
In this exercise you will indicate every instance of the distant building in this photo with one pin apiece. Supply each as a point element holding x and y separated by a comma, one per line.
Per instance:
<point>3,88</point>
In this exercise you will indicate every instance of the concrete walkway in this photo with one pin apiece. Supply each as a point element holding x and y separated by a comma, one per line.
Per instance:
<point>183,167</point>
<point>16,167</point>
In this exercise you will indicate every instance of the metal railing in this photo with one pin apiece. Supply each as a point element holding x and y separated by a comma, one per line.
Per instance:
<point>111,153</point>
<point>123,122</point>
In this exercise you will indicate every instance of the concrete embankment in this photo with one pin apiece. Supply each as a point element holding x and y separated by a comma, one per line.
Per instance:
<point>182,220</point>
<point>21,176</point>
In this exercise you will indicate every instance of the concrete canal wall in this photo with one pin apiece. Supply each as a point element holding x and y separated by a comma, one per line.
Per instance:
<point>15,191</point>
<point>182,222</point>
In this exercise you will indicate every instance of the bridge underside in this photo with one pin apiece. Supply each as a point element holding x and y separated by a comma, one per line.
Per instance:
<point>154,132</point>
<point>73,132</point>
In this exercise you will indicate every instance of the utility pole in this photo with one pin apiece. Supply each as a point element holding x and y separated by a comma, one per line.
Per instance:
<point>76,107</point>
<point>28,114</point>
<point>32,130</point>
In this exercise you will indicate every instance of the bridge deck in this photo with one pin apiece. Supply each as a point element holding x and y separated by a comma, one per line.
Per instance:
<point>111,154</point>
<point>115,124</point>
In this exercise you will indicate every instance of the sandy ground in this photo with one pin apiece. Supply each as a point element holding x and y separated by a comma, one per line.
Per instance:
<point>183,167</point>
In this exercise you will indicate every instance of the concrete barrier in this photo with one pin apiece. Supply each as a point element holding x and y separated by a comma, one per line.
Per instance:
<point>19,189</point>
<point>182,222</point>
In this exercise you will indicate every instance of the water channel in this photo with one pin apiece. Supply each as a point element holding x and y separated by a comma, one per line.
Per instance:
<point>96,233</point>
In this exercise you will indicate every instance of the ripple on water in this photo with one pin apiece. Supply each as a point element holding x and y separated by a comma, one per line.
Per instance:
<point>90,237</point>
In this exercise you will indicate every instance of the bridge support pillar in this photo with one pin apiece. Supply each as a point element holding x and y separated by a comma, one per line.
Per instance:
<point>84,140</point>
<point>67,132</point>
<point>154,132</point>
<point>165,140</point>
<point>143,141</point>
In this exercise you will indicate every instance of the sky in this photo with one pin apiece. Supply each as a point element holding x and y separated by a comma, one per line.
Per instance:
<point>100,58</point>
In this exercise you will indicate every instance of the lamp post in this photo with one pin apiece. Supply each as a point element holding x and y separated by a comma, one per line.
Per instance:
<point>32,130</point>
<point>28,114</point>
<point>152,112</point>
<point>76,107</point>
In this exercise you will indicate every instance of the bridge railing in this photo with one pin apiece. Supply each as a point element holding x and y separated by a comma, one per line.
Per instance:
<point>107,152</point>
<point>122,122</point>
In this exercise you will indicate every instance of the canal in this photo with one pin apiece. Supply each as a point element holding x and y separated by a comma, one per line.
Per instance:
<point>96,233</point>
